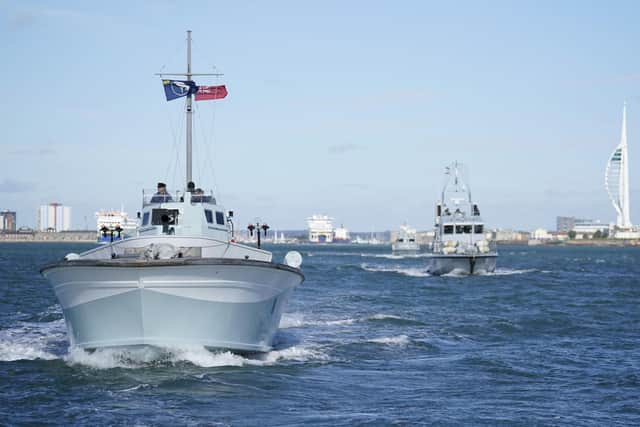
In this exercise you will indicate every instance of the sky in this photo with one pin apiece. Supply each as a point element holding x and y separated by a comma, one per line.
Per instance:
<point>351,109</point>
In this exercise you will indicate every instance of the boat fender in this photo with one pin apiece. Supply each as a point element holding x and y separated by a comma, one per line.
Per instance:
<point>71,256</point>
<point>293,259</point>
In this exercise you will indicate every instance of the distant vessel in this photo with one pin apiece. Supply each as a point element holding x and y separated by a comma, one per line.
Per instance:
<point>183,280</point>
<point>405,242</point>
<point>112,220</point>
<point>460,246</point>
<point>341,235</point>
<point>372,240</point>
<point>320,229</point>
<point>279,240</point>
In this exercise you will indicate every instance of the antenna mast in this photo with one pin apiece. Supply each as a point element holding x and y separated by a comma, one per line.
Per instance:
<point>189,75</point>
<point>189,114</point>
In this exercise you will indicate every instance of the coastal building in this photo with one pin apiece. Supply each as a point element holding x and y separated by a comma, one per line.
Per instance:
<point>541,234</point>
<point>7,221</point>
<point>320,229</point>
<point>590,227</point>
<point>54,217</point>
<point>564,224</point>
<point>509,235</point>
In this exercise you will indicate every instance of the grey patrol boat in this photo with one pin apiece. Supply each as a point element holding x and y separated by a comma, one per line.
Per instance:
<point>460,245</point>
<point>182,281</point>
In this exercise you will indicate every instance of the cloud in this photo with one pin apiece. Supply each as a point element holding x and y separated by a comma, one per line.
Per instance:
<point>343,148</point>
<point>24,17</point>
<point>11,186</point>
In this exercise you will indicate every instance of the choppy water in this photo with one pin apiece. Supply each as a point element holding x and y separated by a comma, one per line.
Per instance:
<point>552,338</point>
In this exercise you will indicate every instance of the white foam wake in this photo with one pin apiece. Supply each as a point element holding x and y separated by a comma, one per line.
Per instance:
<point>30,341</point>
<point>406,271</point>
<point>400,340</point>
<point>509,272</point>
<point>297,320</point>
<point>132,358</point>
<point>395,256</point>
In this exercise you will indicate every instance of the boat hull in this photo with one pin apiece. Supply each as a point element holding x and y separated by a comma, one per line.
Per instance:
<point>461,264</point>
<point>222,304</point>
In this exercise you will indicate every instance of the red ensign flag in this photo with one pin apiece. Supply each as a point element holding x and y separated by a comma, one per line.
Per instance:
<point>206,93</point>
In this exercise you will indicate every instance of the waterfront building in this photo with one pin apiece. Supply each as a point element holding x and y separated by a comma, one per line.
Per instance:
<point>7,221</point>
<point>54,217</point>
<point>564,224</point>
<point>509,235</point>
<point>590,227</point>
<point>541,234</point>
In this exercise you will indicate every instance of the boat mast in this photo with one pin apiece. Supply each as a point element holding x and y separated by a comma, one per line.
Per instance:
<point>189,110</point>
<point>189,113</point>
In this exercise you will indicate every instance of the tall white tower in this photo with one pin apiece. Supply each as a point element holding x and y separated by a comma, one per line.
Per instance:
<point>617,177</point>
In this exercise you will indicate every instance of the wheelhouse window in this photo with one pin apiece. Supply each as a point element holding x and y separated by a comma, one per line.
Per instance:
<point>459,229</point>
<point>479,229</point>
<point>467,229</point>
<point>164,216</point>
<point>209,215</point>
<point>220,218</point>
<point>145,218</point>
<point>448,229</point>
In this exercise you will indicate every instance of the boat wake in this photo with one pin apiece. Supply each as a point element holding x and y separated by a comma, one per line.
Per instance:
<point>144,357</point>
<point>405,271</point>
<point>396,256</point>
<point>510,272</point>
<point>297,320</point>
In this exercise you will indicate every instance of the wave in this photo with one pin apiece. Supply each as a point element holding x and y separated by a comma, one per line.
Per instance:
<point>400,340</point>
<point>31,341</point>
<point>405,271</point>
<point>297,320</point>
<point>497,272</point>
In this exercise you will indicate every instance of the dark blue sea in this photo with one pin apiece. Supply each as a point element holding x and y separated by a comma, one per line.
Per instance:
<point>552,338</point>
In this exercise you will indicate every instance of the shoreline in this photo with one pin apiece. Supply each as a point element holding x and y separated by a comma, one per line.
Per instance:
<point>50,237</point>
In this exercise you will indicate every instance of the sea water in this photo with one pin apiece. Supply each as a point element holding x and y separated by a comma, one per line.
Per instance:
<point>551,338</point>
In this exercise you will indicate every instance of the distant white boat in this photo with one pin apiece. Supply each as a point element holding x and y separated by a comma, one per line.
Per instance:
<point>341,235</point>
<point>114,225</point>
<point>405,242</point>
<point>320,229</point>
<point>182,281</point>
<point>279,240</point>
<point>460,245</point>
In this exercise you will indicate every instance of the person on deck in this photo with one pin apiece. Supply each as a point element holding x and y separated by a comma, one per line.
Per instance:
<point>161,195</point>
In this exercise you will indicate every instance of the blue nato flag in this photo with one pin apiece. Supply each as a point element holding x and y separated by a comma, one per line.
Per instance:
<point>174,89</point>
